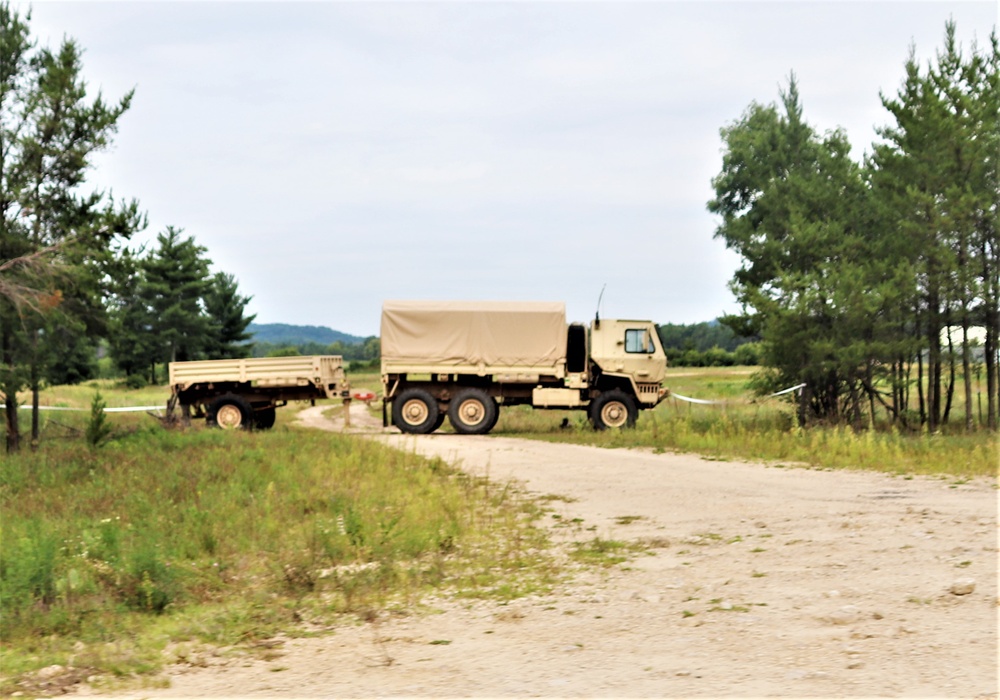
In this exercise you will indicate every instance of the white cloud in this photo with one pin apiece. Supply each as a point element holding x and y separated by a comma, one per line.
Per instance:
<point>334,154</point>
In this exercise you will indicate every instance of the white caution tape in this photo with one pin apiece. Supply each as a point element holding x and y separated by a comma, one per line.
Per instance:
<point>690,400</point>
<point>124,409</point>
<point>786,391</point>
<point>706,402</point>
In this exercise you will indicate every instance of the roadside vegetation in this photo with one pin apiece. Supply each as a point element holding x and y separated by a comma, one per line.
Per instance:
<point>743,426</point>
<point>119,558</point>
<point>749,428</point>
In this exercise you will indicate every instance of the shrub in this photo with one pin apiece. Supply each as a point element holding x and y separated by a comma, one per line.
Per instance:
<point>98,428</point>
<point>135,381</point>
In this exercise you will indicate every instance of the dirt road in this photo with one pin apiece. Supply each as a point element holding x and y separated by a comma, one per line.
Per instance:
<point>758,581</point>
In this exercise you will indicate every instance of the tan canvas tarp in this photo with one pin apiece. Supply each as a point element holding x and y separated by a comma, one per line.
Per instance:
<point>453,333</point>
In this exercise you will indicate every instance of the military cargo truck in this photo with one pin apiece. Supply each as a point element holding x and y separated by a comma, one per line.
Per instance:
<point>243,394</point>
<point>465,360</point>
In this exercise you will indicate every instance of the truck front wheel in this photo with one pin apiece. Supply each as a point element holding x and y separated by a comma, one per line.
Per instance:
<point>472,412</point>
<point>230,412</point>
<point>415,411</point>
<point>613,409</point>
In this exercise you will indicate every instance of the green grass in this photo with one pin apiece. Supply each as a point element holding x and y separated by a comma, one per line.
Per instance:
<point>763,430</point>
<point>112,555</point>
<point>113,391</point>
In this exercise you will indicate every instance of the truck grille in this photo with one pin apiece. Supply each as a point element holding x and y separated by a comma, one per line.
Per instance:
<point>649,388</point>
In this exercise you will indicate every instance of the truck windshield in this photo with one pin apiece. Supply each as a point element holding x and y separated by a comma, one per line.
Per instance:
<point>639,340</point>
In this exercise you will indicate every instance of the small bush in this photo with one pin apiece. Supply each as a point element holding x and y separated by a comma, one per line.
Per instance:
<point>135,381</point>
<point>98,428</point>
<point>150,584</point>
<point>28,569</point>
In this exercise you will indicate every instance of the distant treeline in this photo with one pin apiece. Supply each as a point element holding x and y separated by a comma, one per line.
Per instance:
<point>284,334</point>
<point>707,344</point>
<point>366,350</point>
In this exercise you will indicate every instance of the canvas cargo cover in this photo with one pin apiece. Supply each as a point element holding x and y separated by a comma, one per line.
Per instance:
<point>491,333</point>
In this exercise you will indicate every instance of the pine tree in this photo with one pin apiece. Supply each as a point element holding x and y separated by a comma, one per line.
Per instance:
<point>227,308</point>
<point>175,283</point>
<point>131,341</point>
<point>51,229</point>
<point>793,205</point>
<point>936,173</point>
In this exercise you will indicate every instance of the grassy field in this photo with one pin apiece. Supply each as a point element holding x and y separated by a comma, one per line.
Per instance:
<point>118,559</point>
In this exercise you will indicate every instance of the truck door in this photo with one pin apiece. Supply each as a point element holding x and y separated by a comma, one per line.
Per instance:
<point>629,347</point>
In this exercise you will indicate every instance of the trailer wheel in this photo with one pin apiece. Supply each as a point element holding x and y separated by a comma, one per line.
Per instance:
<point>472,412</point>
<point>613,409</point>
<point>230,412</point>
<point>264,418</point>
<point>415,411</point>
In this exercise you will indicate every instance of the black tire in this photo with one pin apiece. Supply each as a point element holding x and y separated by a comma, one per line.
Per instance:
<point>263,418</point>
<point>230,412</point>
<point>613,409</point>
<point>439,422</point>
<point>415,411</point>
<point>472,412</point>
<point>496,418</point>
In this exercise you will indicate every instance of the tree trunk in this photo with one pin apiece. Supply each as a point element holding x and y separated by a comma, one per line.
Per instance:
<point>991,319</point>
<point>805,398</point>
<point>13,436</point>
<point>924,419</point>
<point>967,371</point>
<point>34,416</point>
<point>34,390</point>
<point>991,377</point>
<point>950,393</point>
<point>10,394</point>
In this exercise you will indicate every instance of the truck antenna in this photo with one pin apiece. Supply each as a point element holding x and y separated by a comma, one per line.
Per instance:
<point>597,314</point>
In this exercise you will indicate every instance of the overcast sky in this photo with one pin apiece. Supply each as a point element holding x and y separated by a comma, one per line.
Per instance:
<point>334,154</point>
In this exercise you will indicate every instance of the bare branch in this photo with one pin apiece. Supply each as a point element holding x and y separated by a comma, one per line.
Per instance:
<point>17,275</point>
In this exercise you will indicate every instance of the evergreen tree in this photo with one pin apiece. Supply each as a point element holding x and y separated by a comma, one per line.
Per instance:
<point>131,341</point>
<point>175,284</point>
<point>226,309</point>
<point>935,175</point>
<point>49,132</point>
<point>793,205</point>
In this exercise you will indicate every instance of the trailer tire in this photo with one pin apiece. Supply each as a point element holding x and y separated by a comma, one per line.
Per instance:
<point>263,418</point>
<point>415,411</point>
<point>613,409</point>
<point>472,412</point>
<point>230,412</point>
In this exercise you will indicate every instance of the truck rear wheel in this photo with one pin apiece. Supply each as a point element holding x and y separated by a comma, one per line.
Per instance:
<point>613,409</point>
<point>415,411</point>
<point>230,412</point>
<point>472,412</point>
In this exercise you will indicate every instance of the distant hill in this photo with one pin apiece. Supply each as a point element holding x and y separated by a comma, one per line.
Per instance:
<point>285,334</point>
